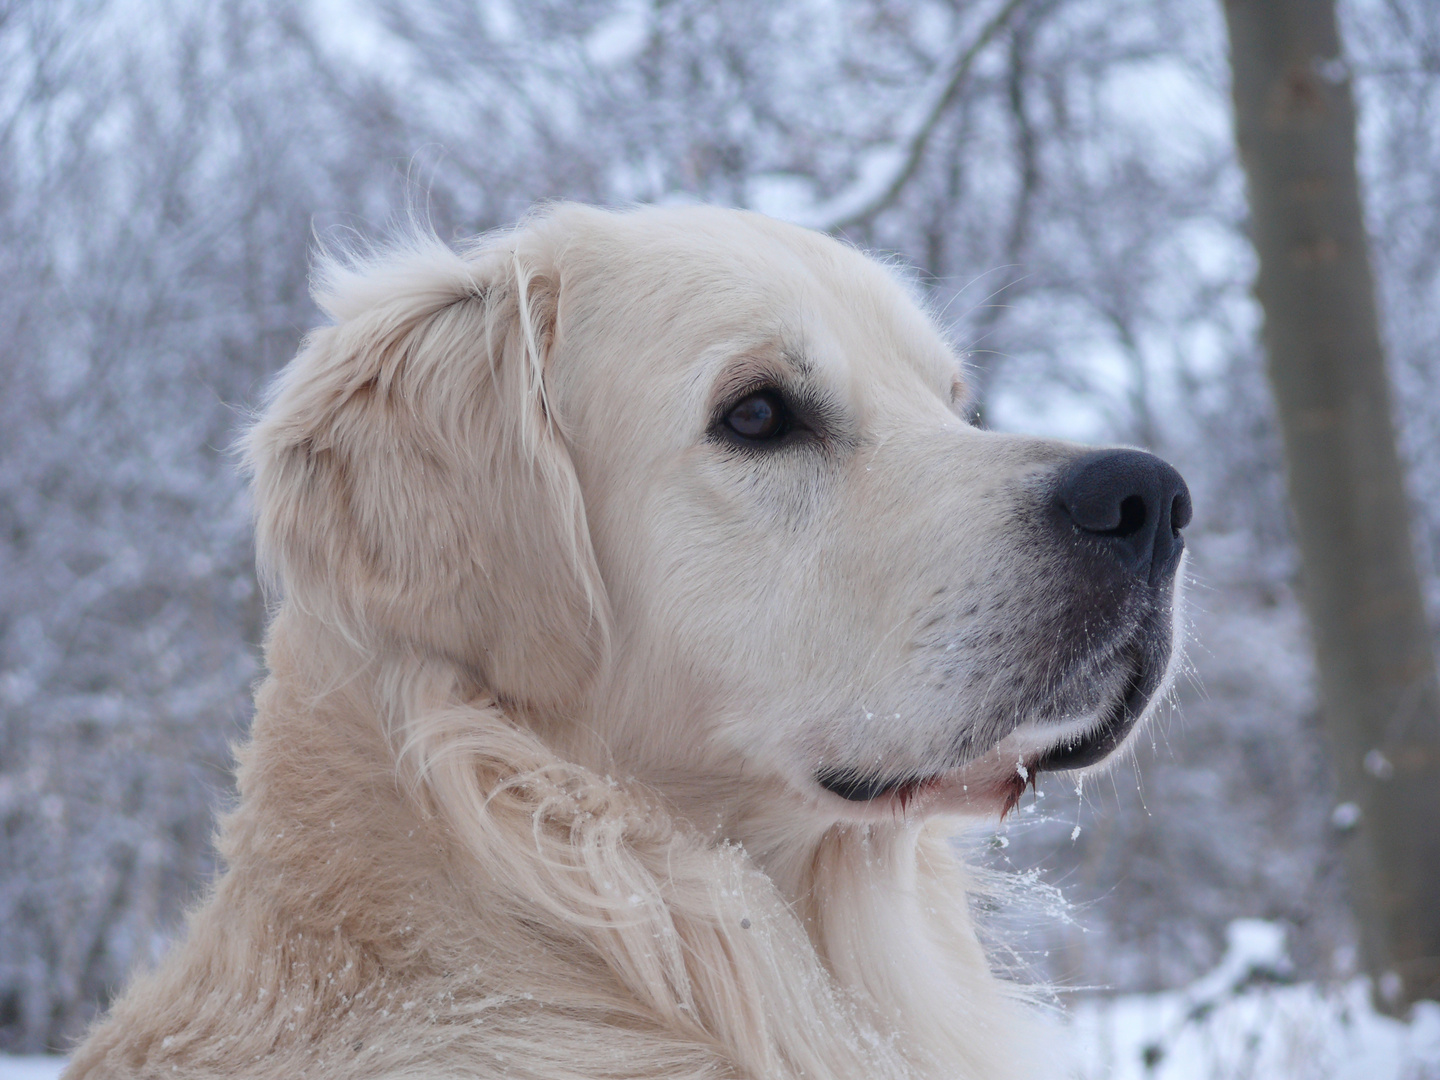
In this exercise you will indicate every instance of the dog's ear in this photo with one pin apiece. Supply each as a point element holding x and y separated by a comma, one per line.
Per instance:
<point>411,487</point>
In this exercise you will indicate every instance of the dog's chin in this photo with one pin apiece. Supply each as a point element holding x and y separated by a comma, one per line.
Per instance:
<point>993,781</point>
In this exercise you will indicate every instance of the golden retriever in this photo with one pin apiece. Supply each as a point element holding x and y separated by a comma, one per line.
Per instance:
<point>648,611</point>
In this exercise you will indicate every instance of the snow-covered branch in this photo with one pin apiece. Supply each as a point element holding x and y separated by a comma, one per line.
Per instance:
<point>886,169</point>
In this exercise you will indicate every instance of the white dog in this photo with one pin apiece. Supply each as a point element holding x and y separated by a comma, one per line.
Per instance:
<point>645,595</point>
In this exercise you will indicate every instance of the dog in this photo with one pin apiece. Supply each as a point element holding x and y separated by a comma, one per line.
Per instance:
<point>648,615</point>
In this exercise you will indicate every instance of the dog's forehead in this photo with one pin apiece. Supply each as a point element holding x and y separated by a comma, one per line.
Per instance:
<point>857,323</point>
<point>701,287</point>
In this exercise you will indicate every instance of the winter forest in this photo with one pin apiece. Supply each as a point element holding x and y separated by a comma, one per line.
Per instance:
<point>1060,179</point>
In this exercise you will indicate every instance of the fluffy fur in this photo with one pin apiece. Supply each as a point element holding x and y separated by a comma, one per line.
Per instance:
<point>531,788</point>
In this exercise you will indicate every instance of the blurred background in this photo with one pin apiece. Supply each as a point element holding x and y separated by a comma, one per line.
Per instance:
<point>1061,178</point>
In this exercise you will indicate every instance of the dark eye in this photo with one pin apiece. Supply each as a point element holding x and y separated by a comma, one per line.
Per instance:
<point>760,416</point>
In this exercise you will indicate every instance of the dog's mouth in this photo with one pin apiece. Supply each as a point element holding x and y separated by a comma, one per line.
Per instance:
<point>1002,773</point>
<point>902,792</point>
<point>1099,742</point>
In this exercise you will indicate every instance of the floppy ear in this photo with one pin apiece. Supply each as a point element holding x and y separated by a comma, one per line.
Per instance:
<point>411,488</point>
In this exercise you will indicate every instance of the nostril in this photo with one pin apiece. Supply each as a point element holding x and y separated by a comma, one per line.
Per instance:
<point>1132,518</point>
<point>1180,511</point>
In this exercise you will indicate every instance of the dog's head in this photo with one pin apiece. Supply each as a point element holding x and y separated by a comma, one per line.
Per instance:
<point>692,491</point>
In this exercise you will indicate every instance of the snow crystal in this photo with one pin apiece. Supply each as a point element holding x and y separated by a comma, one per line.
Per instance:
<point>1345,816</point>
<point>1378,765</point>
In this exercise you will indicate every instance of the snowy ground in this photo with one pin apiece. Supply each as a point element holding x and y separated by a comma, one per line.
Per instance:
<point>1242,1021</point>
<point>30,1068</point>
<point>1300,1032</point>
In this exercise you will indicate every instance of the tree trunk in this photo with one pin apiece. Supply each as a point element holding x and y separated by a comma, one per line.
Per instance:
<point>1295,125</point>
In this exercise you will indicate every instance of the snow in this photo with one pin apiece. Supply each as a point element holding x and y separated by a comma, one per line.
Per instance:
<point>1303,1031</point>
<point>620,37</point>
<point>30,1067</point>
<point>1242,1020</point>
<point>1345,816</point>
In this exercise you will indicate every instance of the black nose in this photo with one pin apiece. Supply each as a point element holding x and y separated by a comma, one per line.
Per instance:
<point>1133,502</point>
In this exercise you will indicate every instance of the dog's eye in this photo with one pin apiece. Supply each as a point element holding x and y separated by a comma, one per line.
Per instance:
<point>760,416</point>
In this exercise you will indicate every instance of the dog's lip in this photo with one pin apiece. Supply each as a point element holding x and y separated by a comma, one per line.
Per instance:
<point>1000,775</point>
<point>853,787</point>
<point>983,785</point>
<point>857,787</point>
<point>1102,740</point>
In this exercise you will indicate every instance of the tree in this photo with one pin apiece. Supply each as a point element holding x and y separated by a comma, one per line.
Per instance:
<point>1295,122</point>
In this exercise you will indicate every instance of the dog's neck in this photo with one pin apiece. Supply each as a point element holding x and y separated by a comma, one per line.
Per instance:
<point>856,940</point>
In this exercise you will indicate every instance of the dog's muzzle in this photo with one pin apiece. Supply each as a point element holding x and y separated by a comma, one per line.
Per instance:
<point>1113,518</point>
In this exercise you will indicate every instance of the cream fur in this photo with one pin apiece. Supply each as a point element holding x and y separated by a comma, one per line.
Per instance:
<point>529,791</point>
